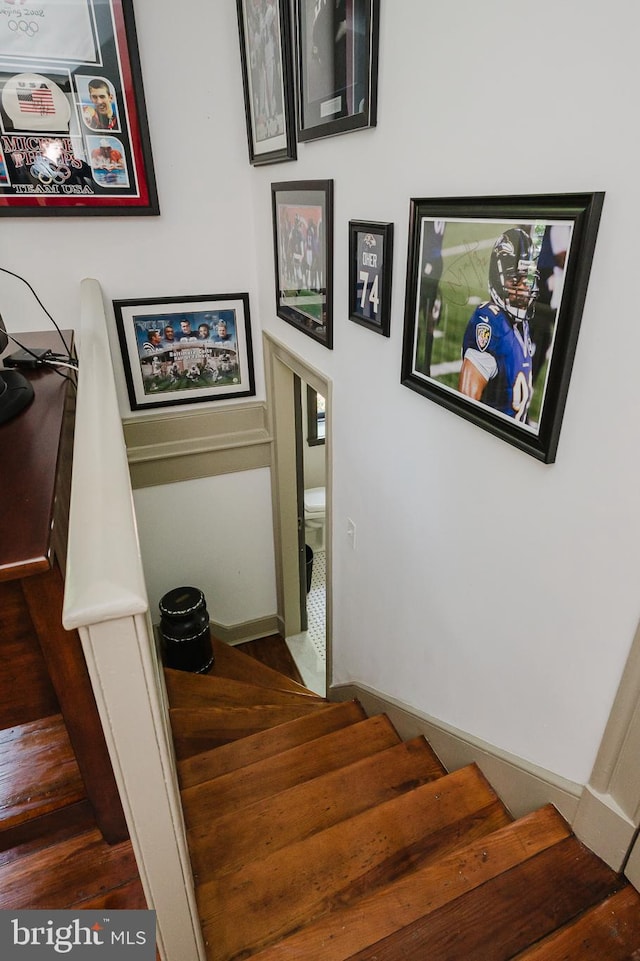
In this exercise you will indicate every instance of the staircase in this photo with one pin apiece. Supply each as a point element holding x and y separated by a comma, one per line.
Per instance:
<point>52,854</point>
<point>316,834</point>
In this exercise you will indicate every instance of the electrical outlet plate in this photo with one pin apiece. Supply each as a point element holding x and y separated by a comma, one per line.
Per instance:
<point>351,532</point>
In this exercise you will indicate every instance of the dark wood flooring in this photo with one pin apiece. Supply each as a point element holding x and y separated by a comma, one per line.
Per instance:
<point>273,652</point>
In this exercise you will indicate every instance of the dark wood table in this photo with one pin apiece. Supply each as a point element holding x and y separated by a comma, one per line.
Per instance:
<point>33,448</point>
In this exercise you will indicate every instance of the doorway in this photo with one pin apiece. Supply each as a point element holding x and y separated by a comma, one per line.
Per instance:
<point>308,646</point>
<point>284,370</point>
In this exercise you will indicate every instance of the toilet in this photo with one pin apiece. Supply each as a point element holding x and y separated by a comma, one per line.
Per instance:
<point>314,517</point>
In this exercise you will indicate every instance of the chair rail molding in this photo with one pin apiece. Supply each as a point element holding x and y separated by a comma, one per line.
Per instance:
<point>172,447</point>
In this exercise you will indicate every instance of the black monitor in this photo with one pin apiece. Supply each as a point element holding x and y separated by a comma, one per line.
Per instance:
<point>16,392</point>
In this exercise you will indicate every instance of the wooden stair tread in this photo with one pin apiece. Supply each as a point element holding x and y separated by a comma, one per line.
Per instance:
<point>234,755</point>
<point>223,844</point>
<point>375,916</point>
<point>608,932</point>
<point>515,910</point>
<point>273,651</point>
<point>50,828</point>
<point>248,784</point>
<point>240,667</point>
<point>338,865</point>
<point>67,874</point>
<point>349,845</point>
<point>200,728</point>
<point>187,690</point>
<point>126,897</point>
<point>38,771</point>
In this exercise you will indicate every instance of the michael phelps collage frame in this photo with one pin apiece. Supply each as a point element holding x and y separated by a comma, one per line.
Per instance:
<point>73,127</point>
<point>494,298</point>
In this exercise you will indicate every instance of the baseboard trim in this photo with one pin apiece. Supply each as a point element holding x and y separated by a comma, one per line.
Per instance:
<point>522,786</point>
<point>602,825</point>
<point>233,634</point>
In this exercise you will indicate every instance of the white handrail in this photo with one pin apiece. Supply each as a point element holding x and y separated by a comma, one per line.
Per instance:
<point>104,577</point>
<point>106,601</point>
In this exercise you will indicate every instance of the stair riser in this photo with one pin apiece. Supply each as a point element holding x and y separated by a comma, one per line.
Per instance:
<point>336,866</point>
<point>382,913</point>
<point>189,690</point>
<point>219,847</point>
<point>509,913</point>
<point>231,792</point>
<point>231,757</point>
<point>608,932</point>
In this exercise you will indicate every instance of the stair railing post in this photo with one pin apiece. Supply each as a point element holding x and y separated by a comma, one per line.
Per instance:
<point>106,602</point>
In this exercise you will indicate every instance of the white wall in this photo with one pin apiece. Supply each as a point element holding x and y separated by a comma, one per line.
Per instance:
<point>200,244</point>
<point>490,591</point>
<point>487,590</point>
<point>197,533</point>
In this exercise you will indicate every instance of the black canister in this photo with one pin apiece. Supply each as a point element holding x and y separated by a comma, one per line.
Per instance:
<point>184,628</point>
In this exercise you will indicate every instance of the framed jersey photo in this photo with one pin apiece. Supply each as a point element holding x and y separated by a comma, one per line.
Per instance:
<point>495,293</point>
<point>336,66</point>
<point>370,263</point>
<point>266,54</point>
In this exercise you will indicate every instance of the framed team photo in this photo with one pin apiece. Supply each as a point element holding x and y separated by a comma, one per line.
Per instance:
<point>336,66</point>
<point>73,127</point>
<point>494,298</point>
<point>186,350</point>
<point>266,55</point>
<point>370,269</point>
<point>303,255</point>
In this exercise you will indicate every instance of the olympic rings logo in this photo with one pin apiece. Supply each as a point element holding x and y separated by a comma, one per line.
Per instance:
<point>30,28</point>
<point>48,173</point>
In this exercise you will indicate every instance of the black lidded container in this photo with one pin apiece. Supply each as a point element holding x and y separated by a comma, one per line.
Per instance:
<point>184,628</point>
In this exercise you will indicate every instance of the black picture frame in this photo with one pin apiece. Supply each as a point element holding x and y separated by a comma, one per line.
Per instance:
<point>336,66</point>
<point>370,274</point>
<point>465,331</point>
<point>74,137</point>
<point>266,54</point>
<point>167,363</point>
<point>316,420</point>
<point>303,256</point>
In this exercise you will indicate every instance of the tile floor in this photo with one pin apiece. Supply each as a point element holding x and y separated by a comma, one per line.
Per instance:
<point>309,647</point>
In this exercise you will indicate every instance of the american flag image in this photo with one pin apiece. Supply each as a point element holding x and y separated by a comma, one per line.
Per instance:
<point>36,100</point>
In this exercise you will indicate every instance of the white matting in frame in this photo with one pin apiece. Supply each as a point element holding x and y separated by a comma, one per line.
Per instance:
<point>186,350</point>
<point>49,30</point>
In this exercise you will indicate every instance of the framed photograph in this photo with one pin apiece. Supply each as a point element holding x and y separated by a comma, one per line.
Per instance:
<point>370,266</point>
<point>337,66</point>
<point>303,253</point>
<point>186,350</point>
<point>73,125</point>
<point>495,292</point>
<point>267,75</point>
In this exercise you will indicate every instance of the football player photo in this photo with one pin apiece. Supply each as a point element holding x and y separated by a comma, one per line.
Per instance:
<point>481,288</point>
<point>494,298</point>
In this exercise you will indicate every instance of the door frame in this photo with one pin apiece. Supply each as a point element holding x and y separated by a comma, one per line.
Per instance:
<point>281,365</point>
<point>608,815</point>
<point>302,565</point>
